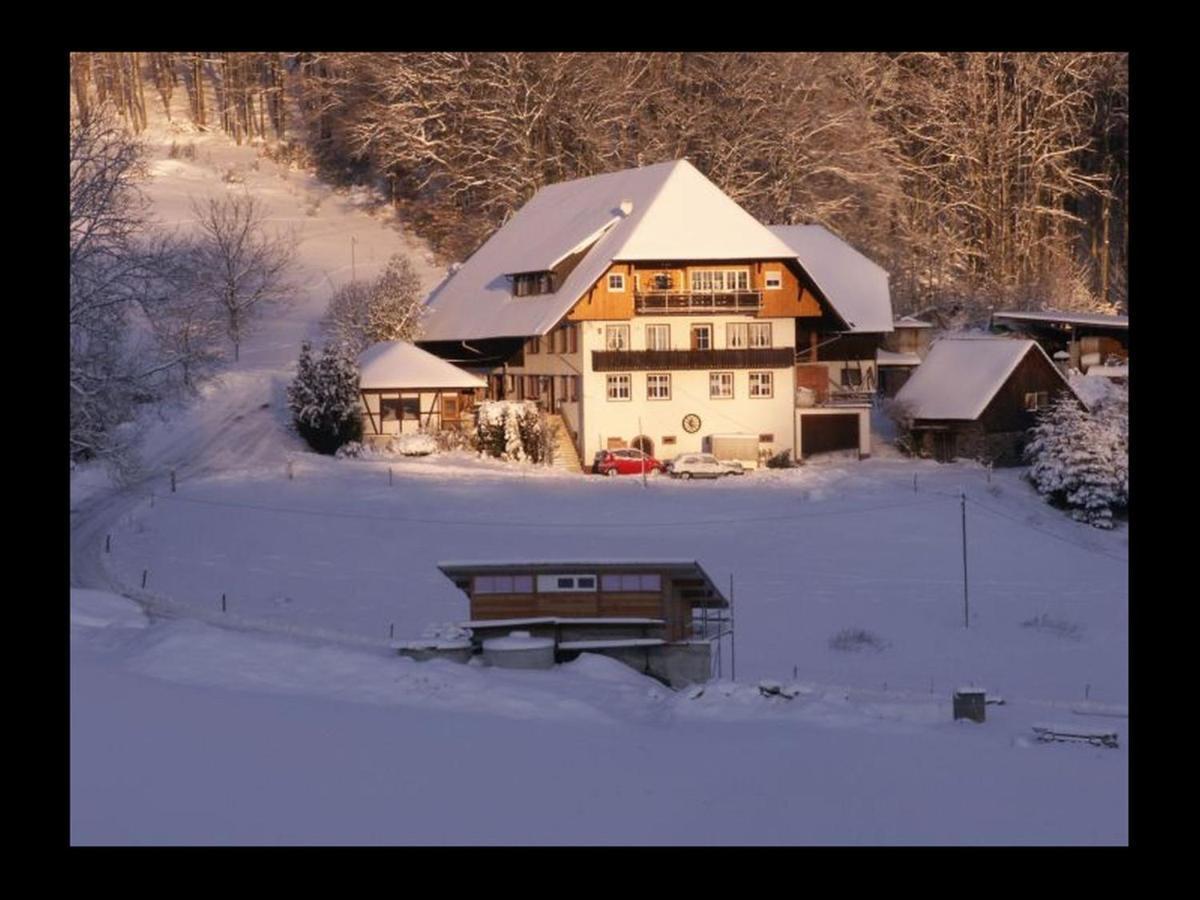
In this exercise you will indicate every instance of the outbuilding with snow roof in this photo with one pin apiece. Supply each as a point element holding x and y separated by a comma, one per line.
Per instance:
<point>406,390</point>
<point>977,397</point>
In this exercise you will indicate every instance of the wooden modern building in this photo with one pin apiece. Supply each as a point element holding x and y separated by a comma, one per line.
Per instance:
<point>978,397</point>
<point>406,390</point>
<point>646,308</point>
<point>658,615</point>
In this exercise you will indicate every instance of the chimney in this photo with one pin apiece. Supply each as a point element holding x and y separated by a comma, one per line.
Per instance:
<point>626,207</point>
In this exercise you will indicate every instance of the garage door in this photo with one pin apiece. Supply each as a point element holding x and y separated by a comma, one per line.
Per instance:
<point>821,434</point>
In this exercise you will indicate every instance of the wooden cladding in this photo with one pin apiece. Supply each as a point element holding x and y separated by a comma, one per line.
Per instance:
<point>668,288</point>
<point>667,360</point>
<point>568,605</point>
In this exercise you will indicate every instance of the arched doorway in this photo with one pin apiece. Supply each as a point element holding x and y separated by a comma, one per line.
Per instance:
<point>643,443</point>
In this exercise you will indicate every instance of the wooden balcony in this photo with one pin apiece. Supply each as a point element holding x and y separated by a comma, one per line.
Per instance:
<point>668,303</point>
<point>676,360</point>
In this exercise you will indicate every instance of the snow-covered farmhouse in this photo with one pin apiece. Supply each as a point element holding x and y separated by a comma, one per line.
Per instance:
<point>406,390</point>
<point>646,308</point>
<point>659,616</point>
<point>977,397</point>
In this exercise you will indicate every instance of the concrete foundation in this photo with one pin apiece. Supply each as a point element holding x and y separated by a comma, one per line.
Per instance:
<point>676,665</point>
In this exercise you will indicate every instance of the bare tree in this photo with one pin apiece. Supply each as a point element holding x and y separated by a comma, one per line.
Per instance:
<point>386,309</point>
<point>241,267</point>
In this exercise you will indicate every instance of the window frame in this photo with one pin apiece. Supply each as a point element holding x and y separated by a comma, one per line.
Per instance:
<point>770,384</point>
<point>760,328</point>
<point>741,281</point>
<point>620,289</point>
<point>658,375</point>
<point>777,275</point>
<point>610,331</point>
<point>612,380</point>
<point>737,328</point>
<point>715,378</point>
<point>658,329</point>
<point>701,327</point>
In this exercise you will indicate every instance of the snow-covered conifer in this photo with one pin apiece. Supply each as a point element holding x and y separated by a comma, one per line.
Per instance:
<point>1080,459</point>
<point>324,398</point>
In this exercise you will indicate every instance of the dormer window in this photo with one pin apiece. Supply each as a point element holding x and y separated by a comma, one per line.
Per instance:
<point>529,283</point>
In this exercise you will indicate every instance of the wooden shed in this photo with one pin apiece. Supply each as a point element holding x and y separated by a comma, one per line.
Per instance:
<point>978,397</point>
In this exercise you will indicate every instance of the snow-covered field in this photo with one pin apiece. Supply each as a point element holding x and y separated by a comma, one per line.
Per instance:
<point>286,720</point>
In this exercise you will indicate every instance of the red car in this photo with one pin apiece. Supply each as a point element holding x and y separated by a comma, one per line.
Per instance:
<point>625,462</point>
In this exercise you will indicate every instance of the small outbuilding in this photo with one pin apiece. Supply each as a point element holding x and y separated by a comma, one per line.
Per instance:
<point>659,616</point>
<point>406,390</point>
<point>1088,339</point>
<point>977,397</point>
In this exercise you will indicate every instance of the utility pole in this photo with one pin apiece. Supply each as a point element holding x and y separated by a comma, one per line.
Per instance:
<point>642,449</point>
<point>732,635</point>
<point>966,605</point>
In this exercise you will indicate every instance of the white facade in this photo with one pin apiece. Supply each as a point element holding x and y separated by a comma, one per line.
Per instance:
<point>614,407</point>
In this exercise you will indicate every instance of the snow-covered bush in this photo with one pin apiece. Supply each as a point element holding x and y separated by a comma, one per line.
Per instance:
<point>1062,628</point>
<point>413,444</point>
<point>781,460</point>
<point>324,398</point>
<point>352,450</point>
<point>511,430</point>
<point>1079,459</point>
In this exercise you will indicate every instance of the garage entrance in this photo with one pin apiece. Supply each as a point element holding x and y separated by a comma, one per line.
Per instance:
<point>822,434</point>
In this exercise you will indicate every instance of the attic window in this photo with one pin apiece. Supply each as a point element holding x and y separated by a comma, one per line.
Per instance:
<point>774,281</point>
<point>616,282</point>
<point>530,283</point>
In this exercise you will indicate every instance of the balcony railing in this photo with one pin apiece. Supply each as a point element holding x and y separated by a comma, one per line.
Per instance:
<point>668,360</point>
<point>684,302</point>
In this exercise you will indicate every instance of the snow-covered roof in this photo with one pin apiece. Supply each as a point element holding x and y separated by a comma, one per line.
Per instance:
<point>674,212</point>
<point>399,364</point>
<point>960,376</point>
<point>856,287</point>
<point>890,358</point>
<point>1109,371</point>
<point>911,322</point>
<point>1069,318</point>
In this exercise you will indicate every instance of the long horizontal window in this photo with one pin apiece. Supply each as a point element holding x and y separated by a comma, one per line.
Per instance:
<point>715,280</point>
<point>504,584</point>
<point>631,583</point>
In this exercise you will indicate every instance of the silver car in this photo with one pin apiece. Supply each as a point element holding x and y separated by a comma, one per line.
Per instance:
<point>702,465</point>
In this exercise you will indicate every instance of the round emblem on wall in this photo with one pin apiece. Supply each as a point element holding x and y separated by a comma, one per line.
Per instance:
<point>691,423</point>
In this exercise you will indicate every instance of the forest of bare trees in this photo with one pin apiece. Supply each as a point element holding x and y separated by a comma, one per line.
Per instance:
<point>976,179</point>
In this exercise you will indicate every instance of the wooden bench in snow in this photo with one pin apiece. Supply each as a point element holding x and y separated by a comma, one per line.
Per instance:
<point>1095,736</point>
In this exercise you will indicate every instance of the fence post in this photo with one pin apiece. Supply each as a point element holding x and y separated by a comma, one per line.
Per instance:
<point>145,572</point>
<point>172,481</point>
<point>222,603</point>
<point>108,543</point>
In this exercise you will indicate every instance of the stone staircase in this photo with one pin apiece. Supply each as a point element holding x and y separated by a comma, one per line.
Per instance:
<point>565,457</point>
